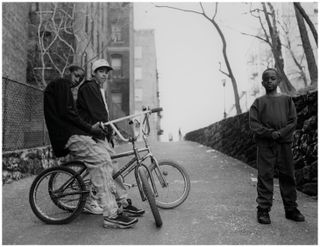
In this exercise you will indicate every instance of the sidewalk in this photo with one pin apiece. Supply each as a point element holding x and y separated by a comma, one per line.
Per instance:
<point>220,209</point>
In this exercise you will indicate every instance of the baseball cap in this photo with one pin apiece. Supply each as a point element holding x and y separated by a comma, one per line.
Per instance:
<point>100,63</point>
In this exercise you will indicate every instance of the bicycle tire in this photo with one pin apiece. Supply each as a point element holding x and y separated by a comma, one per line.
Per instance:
<point>150,196</point>
<point>72,188</point>
<point>178,184</point>
<point>76,166</point>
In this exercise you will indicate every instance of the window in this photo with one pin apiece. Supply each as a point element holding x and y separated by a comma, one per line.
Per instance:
<point>116,64</point>
<point>84,63</point>
<point>117,98</point>
<point>138,94</point>
<point>87,22</point>
<point>98,44</point>
<point>116,33</point>
<point>138,52</point>
<point>137,73</point>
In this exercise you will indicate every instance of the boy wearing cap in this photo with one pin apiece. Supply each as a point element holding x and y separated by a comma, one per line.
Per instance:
<point>93,108</point>
<point>70,134</point>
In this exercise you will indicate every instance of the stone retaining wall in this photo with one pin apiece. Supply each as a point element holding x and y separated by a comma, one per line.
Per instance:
<point>21,163</point>
<point>233,137</point>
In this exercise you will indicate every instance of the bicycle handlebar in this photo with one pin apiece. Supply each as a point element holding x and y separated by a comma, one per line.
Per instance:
<point>144,112</point>
<point>157,109</point>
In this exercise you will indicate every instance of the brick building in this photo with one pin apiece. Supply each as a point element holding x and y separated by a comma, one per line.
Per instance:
<point>104,30</point>
<point>120,53</point>
<point>98,30</point>
<point>14,37</point>
<point>146,77</point>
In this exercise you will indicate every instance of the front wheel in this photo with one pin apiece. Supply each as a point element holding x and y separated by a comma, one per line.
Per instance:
<point>57,195</point>
<point>172,183</point>
<point>150,196</point>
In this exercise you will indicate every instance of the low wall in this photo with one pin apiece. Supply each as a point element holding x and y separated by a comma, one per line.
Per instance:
<point>21,163</point>
<point>233,137</point>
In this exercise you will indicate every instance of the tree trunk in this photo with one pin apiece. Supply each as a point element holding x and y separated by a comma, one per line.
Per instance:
<point>307,19</point>
<point>312,66</point>
<point>285,85</point>
<point>230,73</point>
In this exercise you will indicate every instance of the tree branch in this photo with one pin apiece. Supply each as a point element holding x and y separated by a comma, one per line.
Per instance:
<point>256,36</point>
<point>184,10</point>
<point>307,19</point>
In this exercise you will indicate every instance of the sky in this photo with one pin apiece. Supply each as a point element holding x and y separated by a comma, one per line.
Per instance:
<point>189,51</point>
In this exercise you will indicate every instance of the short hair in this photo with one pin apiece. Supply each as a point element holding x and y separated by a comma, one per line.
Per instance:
<point>271,69</point>
<point>73,68</point>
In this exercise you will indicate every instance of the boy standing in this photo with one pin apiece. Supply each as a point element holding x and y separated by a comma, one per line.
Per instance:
<point>273,119</point>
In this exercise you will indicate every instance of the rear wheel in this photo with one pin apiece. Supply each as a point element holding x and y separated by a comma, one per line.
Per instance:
<point>57,184</point>
<point>150,196</point>
<point>79,168</point>
<point>175,188</point>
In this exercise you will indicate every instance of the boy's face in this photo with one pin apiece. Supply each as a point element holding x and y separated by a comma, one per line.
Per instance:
<point>101,75</point>
<point>270,81</point>
<point>76,77</point>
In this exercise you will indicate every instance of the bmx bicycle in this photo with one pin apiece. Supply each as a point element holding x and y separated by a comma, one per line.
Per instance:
<point>58,194</point>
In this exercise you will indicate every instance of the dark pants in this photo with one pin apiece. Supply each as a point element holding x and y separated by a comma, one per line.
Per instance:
<point>268,156</point>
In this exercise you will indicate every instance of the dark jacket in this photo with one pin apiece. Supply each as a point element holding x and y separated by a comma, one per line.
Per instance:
<point>90,103</point>
<point>91,106</point>
<point>62,118</point>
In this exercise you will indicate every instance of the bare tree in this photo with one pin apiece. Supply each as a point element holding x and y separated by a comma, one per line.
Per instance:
<point>312,65</point>
<point>298,7</point>
<point>297,61</point>
<point>57,37</point>
<point>272,38</point>
<point>224,48</point>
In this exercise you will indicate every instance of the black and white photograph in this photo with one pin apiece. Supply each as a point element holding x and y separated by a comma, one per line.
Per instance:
<point>159,123</point>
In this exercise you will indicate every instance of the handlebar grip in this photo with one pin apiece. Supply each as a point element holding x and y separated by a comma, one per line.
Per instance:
<point>157,109</point>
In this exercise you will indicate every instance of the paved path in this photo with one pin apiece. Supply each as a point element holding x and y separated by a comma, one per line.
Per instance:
<point>220,209</point>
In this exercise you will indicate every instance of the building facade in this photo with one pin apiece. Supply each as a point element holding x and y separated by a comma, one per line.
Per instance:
<point>120,54</point>
<point>14,40</point>
<point>146,77</point>
<point>87,31</point>
<point>104,30</point>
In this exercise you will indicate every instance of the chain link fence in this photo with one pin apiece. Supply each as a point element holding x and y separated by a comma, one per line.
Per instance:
<point>22,116</point>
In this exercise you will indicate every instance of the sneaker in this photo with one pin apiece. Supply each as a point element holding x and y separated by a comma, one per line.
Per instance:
<point>92,207</point>
<point>295,215</point>
<point>263,216</point>
<point>132,210</point>
<point>121,221</point>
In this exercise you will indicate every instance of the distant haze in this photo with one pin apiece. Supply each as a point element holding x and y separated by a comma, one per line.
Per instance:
<point>189,50</point>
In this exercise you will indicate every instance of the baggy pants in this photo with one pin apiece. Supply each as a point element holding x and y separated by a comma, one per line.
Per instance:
<point>98,161</point>
<point>268,156</point>
<point>121,191</point>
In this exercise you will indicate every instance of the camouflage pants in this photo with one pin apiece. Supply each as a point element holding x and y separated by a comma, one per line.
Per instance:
<point>98,161</point>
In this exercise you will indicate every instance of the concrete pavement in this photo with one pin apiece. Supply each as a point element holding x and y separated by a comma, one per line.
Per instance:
<point>220,209</point>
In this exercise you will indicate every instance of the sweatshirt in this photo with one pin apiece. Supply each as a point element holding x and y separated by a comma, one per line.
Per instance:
<point>273,113</point>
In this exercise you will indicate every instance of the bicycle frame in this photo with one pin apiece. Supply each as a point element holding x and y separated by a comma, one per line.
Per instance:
<point>137,160</point>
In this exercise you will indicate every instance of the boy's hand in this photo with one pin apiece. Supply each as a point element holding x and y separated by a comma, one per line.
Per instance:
<point>96,130</point>
<point>275,135</point>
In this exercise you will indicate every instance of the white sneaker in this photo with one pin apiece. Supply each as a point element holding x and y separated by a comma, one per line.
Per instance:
<point>92,207</point>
